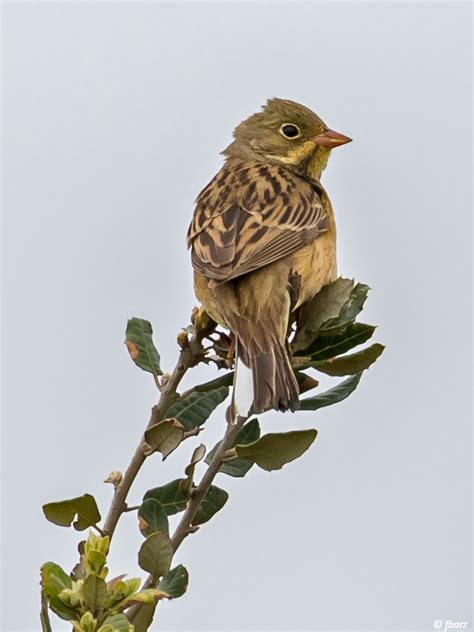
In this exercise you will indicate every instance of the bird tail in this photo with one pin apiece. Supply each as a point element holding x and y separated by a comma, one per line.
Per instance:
<point>256,309</point>
<point>264,378</point>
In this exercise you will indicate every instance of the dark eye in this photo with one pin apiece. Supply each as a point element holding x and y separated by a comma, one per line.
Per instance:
<point>289,130</point>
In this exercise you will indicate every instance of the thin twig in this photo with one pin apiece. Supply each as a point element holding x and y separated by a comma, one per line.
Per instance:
<point>44,614</point>
<point>183,528</point>
<point>98,529</point>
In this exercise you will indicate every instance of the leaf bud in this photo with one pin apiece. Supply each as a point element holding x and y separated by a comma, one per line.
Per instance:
<point>86,624</point>
<point>183,340</point>
<point>115,478</point>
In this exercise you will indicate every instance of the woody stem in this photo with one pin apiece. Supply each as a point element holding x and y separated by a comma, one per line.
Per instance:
<point>187,358</point>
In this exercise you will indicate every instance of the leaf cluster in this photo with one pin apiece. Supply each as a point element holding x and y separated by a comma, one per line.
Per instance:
<point>91,603</point>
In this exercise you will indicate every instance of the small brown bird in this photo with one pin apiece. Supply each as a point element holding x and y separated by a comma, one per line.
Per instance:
<point>263,241</point>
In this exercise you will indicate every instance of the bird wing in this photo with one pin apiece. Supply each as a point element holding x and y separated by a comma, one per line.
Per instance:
<point>251,215</point>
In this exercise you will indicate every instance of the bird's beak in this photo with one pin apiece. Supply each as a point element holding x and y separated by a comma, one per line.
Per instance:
<point>330,138</point>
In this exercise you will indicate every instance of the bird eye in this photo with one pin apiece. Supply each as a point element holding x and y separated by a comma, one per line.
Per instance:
<point>289,130</point>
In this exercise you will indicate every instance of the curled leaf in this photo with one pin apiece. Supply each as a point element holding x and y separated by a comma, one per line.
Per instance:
<point>64,512</point>
<point>164,437</point>
<point>198,455</point>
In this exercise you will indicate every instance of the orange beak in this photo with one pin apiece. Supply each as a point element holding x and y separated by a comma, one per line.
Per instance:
<point>330,138</point>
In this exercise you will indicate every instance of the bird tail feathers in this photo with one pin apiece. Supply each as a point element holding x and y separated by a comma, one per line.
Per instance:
<point>264,379</point>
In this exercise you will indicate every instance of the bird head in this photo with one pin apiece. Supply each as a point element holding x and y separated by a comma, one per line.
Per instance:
<point>286,133</point>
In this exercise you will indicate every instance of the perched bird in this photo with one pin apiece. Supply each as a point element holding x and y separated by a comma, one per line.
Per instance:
<point>263,242</point>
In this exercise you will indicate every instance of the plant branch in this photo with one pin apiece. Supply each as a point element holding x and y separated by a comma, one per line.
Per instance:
<point>188,357</point>
<point>99,530</point>
<point>44,614</point>
<point>185,526</point>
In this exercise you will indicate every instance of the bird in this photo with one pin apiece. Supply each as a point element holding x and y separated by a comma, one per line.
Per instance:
<point>263,243</point>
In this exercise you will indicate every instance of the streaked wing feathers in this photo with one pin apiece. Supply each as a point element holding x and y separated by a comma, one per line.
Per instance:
<point>250,215</point>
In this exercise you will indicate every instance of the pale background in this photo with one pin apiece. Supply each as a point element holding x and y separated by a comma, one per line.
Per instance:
<point>114,116</point>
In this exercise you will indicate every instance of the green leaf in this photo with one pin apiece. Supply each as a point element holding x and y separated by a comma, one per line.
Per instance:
<point>96,560</point>
<point>193,410</point>
<point>164,437</point>
<point>334,306</point>
<point>325,306</point>
<point>119,623</point>
<point>212,502</point>
<point>352,308</point>
<point>152,517</point>
<point>54,580</point>
<point>155,554</point>
<point>170,496</point>
<point>273,451</point>
<point>333,395</point>
<point>350,364</point>
<point>238,467</point>
<point>139,342</point>
<point>119,590</point>
<point>63,512</point>
<point>94,591</point>
<point>335,342</point>
<point>175,583</point>
<point>224,380</point>
<point>62,610</point>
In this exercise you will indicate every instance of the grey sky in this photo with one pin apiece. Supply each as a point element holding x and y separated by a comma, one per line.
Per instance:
<point>114,117</point>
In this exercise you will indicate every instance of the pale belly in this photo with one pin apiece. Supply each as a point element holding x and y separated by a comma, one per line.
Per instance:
<point>316,265</point>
